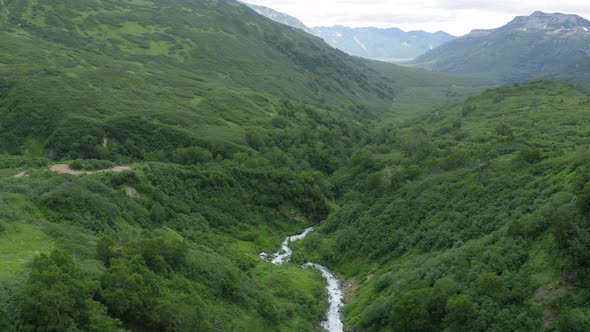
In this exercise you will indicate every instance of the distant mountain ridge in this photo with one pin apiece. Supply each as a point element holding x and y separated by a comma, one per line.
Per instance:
<point>392,44</point>
<point>384,44</point>
<point>280,17</point>
<point>526,47</point>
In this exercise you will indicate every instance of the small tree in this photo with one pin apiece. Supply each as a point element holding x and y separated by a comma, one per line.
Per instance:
<point>584,200</point>
<point>460,311</point>
<point>55,298</point>
<point>158,213</point>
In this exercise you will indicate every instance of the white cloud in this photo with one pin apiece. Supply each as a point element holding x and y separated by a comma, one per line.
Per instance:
<point>454,16</point>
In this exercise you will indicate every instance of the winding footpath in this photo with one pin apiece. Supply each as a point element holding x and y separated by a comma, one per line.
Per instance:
<point>333,322</point>
<point>67,169</point>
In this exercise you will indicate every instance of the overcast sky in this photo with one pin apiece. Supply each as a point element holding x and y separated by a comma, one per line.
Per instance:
<point>454,16</point>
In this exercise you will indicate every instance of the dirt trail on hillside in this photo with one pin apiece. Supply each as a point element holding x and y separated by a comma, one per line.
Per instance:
<point>66,169</point>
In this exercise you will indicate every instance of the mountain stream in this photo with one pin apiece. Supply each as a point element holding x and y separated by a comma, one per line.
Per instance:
<point>333,322</point>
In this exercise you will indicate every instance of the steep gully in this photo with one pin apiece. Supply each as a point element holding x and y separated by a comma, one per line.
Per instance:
<point>333,322</point>
<point>6,12</point>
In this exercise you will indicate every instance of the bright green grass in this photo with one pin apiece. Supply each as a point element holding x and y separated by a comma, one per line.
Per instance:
<point>34,148</point>
<point>19,244</point>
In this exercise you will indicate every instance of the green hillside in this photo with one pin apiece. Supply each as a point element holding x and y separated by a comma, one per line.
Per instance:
<point>193,66</point>
<point>419,91</point>
<point>577,74</point>
<point>150,150</point>
<point>228,125</point>
<point>473,218</point>
<point>525,48</point>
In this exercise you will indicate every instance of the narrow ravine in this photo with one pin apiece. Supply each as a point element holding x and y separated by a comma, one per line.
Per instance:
<point>333,322</point>
<point>6,12</point>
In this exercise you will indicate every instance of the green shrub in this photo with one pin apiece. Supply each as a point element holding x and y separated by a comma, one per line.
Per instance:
<point>574,320</point>
<point>121,178</point>
<point>531,156</point>
<point>191,155</point>
<point>91,164</point>
<point>583,200</point>
<point>460,311</point>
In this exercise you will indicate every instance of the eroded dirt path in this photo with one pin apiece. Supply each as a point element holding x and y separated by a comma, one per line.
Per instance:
<point>66,169</point>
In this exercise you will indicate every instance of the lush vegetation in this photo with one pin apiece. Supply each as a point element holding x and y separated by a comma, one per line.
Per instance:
<point>473,218</point>
<point>239,131</point>
<point>231,124</point>
<point>181,256</point>
<point>419,91</point>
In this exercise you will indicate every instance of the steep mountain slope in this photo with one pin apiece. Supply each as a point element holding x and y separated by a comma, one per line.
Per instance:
<point>216,62</point>
<point>384,44</point>
<point>280,17</point>
<point>577,74</point>
<point>231,132</point>
<point>229,123</point>
<point>473,218</point>
<point>524,48</point>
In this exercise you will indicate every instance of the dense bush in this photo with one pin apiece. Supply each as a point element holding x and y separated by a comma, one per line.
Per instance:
<point>432,219</point>
<point>56,281</point>
<point>584,200</point>
<point>91,164</point>
<point>490,200</point>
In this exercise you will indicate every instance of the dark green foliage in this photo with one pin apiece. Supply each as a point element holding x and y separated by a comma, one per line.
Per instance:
<point>531,156</point>
<point>87,202</point>
<point>240,132</point>
<point>460,311</point>
<point>232,124</point>
<point>504,130</point>
<point>191,155</point>
<point>483,201</point>
<point>583,201</point>
<point>573,321</point>
<point>410,312</point>
<point>128,287</point>
<point>76,138</point>
<point>58,298</point>
<point>158,213</point>
<point>122,178</point>
<point>91,164</point>
<point>424,309</point>
<point>10,305</point>
<point>155,83</point>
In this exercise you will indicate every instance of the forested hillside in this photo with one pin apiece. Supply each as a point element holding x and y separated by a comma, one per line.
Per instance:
<point>472,218</point>
<point>150,150</point>
<point>228,126</point>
